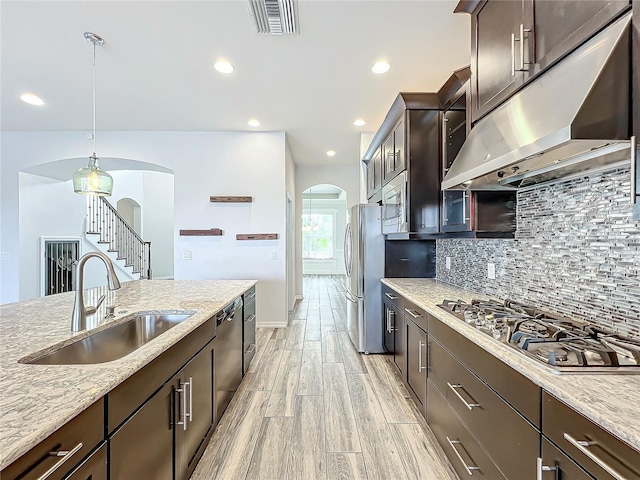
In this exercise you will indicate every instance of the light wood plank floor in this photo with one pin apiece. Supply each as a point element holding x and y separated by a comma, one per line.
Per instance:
<point>311,407</point>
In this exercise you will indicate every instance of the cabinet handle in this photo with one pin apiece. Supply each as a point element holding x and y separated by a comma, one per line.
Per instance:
<point>521,40</point>
<point>251,349</point>
<point>634,159</point>
<point>413,313</point>
<point>454,388</point>
<point>453,444</point>
<point>388,323</point>
<point>540,469</point>
<point>465,214</point>
<point>420,345</point>
<point>183,391</point>
<point>583,446</point>
<point>65,455</point>
<point>251,318</point>
<point>390,297</point>
<point>190,400</point>
<point>513,54</point>
<point>250,295</point>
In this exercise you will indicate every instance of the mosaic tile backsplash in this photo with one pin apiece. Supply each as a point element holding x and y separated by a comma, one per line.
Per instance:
<point>576,253</point>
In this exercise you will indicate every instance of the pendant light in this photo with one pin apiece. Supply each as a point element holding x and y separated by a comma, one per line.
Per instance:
<point>92,180</point>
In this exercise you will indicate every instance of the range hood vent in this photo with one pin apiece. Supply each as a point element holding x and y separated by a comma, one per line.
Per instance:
<point>573,118</point>
<point>274,16</point>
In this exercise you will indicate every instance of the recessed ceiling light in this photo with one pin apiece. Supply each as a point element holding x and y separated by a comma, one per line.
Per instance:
<point>253,123</point>
<point>331,153</point>
<point>31,99</point>
<point>359,122</point>
<point>380,67</point>
<point>223,67</point>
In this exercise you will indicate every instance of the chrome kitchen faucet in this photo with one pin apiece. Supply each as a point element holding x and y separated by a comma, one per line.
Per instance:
<point>80,312</point>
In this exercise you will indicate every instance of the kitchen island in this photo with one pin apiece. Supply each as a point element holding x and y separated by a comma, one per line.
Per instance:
<point>608,400</point>
<point>36,400</point>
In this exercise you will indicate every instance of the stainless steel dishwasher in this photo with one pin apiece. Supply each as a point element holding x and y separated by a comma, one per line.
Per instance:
<point>227,355</point>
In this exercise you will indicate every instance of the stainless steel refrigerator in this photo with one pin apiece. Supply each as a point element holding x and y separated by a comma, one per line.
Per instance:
<point>364,263</point>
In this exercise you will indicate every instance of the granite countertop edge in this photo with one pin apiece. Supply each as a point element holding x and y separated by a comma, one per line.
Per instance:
<point>616,411</point>
<point>55,394</point>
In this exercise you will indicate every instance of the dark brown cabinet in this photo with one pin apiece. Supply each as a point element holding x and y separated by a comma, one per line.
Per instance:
<point>248,328</point>
<point>94,467</point>
<point>374,173</point>
<point>393,152</point>
<point>417,363</point>
<point>563,25</point>
<point>59,453</point>
<point>500,47</point>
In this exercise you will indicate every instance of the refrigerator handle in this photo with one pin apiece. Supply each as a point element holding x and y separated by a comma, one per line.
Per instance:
<point>347,250</point>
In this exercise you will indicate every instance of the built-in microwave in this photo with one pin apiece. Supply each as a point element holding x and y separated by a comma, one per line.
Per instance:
<point>394,205</point>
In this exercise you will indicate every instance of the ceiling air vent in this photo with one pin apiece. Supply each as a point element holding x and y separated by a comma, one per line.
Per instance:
<point>274,16</point>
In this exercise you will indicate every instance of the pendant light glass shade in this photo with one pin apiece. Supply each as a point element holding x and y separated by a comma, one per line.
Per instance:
<point>92,180</point>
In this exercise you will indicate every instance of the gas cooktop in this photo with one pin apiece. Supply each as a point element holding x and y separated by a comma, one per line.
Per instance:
<point>561,345</point>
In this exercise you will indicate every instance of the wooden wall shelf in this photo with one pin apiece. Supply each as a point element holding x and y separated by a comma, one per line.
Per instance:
<point>257,236</point>
<point>230,199</point>
<point>212,232</point>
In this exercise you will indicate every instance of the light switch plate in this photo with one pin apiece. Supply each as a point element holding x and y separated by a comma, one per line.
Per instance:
<point>5,256</point>
<point>448,263</point>
<point>491,271</point>
<point>186,255</point>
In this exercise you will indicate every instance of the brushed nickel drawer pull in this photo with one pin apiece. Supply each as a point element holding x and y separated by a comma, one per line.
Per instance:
<point>251,318</point>
<point>251,349</point>
<point>466,404</point>
<point>390,297</point>
<point>634,159</point>
<point>190,399</point>
<point>249,296</point>
<point>413,313</point>
<point>420,366</point>
<point>583,446</point>
<point>453,444</point>
<point>540,469</point>
<point>64,456</point>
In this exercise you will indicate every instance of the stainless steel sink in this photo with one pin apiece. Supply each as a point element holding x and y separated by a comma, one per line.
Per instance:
<point>114,342</point>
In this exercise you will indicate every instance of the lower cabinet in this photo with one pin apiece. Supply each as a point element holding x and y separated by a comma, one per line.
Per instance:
<point>94,467</point>
<point>173,423</point>
<point>417,363</point>
<point>400,342</point>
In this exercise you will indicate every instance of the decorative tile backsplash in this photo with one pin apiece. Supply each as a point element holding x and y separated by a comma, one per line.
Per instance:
<point>576,253</point>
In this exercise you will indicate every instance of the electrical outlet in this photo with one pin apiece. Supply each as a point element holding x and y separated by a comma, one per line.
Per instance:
<point>448,263</point>
<point>5,256</point>
<point>274,255</point>
<point>186,255</point>
<point>491,271</point>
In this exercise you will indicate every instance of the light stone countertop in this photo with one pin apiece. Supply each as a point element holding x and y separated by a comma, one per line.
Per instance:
<point>609,400</point>
<point>35,400</point>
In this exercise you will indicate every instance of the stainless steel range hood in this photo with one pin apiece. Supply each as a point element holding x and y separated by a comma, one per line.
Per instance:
<point>573,118</point>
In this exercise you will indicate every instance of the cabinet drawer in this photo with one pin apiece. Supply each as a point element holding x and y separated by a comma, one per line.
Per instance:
<point>416,314</point>
<point>517,390</point>
<point>464,452</point>
<point>92,468</point>
<point>506,436</point>
<point>78,437</point>
<point>391,296</point>
<point>603,457</point>
<point>559,465</point>
<point>129,395</point>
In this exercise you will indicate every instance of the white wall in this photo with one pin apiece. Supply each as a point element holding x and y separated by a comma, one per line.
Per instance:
<point>345,177</point>
<point>204,164</point>
<point>157,221</point>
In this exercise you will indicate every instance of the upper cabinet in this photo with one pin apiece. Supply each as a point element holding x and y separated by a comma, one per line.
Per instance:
<point>514,40</point>
<point>374,174</point>
<point>393,152</point>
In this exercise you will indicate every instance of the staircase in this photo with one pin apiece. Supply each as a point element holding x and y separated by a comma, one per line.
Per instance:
<point>118,236</point>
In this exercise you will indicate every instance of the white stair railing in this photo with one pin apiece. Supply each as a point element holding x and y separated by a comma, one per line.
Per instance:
<point>104,220</point>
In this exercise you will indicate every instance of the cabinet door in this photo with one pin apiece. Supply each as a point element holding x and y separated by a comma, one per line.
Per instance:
<point>389,327</point>
<point>143,446</point>
<point>388,160</point>
<point>498,61</point>
<point>93,468</point>
<point>398,147</point>
<point>563,25</point>
<point>555,465</point>
<point>197,380</point>
<point>377,170</point>
<point>417,362</point>
<point>400,342</point>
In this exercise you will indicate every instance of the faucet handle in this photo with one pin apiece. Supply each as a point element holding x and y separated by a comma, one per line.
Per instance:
<point>92,310</point>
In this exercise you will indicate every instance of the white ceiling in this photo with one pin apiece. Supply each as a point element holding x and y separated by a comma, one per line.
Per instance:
<point>155,70</point>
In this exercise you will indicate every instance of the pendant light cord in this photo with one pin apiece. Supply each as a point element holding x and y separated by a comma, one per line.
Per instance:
<point>94,100</point>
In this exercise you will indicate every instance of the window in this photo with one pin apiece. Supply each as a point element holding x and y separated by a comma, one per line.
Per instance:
<point>318,232</point>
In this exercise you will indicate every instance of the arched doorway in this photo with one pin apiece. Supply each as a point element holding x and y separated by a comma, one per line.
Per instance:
<point>129,209</point>
<point>323,221</point>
